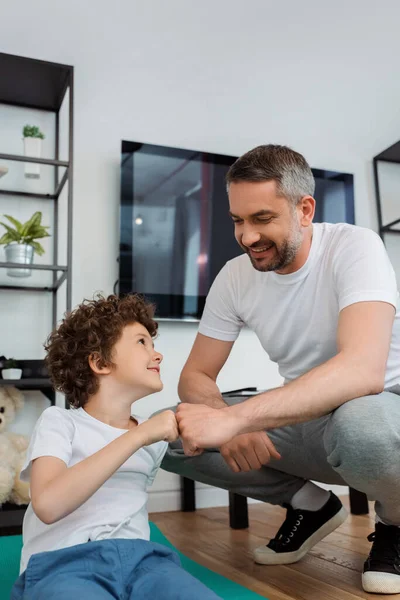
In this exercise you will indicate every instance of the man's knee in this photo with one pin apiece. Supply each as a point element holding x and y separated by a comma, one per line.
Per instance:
<point>363,435</point>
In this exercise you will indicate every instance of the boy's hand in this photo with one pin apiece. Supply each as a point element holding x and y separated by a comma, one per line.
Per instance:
<point>162,426</point>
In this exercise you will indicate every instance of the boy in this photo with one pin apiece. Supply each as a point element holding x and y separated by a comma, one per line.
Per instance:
<point>86,530</point>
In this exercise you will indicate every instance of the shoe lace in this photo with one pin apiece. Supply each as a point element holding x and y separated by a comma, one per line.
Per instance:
<point>386,544</point>
<point>288,529</point>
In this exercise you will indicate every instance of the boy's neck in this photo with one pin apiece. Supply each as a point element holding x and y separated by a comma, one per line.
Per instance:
<point>112,412</point>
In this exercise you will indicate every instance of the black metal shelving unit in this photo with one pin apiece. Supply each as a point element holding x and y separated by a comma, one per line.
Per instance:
<point>40,85</point>
<point>390,155</point>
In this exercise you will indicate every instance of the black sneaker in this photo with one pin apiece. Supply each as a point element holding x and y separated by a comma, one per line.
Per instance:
<point>300,531</point>
<point>381,574</point>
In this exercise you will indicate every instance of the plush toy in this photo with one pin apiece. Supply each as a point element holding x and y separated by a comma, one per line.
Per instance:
<point>12,449</point>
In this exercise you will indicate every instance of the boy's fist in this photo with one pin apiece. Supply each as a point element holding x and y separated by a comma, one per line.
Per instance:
<point>162,426</point>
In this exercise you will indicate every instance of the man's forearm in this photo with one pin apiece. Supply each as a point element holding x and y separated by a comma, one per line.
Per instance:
<point>199,388</point>
<point>314,394</point>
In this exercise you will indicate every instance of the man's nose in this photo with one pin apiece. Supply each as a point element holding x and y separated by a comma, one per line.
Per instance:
<point>250,237</point>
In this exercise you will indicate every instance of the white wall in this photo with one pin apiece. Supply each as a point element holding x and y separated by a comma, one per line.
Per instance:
<point>219,76</point>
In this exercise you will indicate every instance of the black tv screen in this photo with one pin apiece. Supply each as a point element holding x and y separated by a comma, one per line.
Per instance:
<point>175,230</point>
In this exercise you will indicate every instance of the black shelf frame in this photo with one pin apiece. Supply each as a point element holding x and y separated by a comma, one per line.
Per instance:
<point>57,283</point>
<point>390,155</point>
<point>34,377</point>
<point>40,85</point>
<point>11,516</point>
<point>31,159</point>
<point>48,85</point>
<point>8,265</point>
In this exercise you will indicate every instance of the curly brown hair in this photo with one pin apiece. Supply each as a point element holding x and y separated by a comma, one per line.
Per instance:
<point>93,328</point>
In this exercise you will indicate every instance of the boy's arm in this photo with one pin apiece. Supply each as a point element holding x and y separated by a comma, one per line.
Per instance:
<point>58,490</point>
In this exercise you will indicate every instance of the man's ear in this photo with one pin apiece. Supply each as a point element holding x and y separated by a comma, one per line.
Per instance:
<point>98,366</point>
<point>307,207</point>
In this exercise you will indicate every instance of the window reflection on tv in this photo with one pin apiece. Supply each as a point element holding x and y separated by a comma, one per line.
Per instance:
<point>175,231</point>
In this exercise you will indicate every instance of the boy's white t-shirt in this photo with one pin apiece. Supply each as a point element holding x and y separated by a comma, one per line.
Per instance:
<point>117,510</point>
<point>295,316</point>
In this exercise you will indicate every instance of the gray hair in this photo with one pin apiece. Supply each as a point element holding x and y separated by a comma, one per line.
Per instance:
<point>288,168</point>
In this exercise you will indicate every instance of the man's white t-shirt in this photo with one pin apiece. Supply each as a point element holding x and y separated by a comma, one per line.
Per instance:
<point>295,316</point>
<point>117,510</point>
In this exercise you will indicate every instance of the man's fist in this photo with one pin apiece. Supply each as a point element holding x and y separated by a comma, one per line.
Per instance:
<point>203,427</point>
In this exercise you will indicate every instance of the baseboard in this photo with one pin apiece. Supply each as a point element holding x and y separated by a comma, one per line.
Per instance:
<point>166,501</point>
<point>207,497</point>
<point>339,490</point>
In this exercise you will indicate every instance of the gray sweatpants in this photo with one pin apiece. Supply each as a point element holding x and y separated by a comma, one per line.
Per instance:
<point>357,445</point>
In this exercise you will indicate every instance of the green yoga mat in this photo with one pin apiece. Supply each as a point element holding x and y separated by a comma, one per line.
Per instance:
<point>10,551</point>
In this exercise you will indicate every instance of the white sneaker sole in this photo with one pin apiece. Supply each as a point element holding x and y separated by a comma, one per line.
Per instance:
<point>377,582</point>
<point>265,556</point>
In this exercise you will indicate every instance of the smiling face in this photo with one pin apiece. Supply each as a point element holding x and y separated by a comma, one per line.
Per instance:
<point>268,227</point>
<point>136,363</point>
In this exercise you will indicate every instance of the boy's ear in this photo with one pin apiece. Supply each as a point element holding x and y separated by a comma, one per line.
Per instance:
<point>97,365</point>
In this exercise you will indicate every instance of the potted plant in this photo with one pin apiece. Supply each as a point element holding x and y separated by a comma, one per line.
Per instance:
<point>32,147</point>
<point>10,369</point>
<point>20,242</point>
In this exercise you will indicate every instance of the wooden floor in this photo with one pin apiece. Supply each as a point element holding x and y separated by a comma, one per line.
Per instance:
<point>331,571</point>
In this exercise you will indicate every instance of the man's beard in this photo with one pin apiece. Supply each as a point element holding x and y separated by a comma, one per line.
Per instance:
<point>284,254</point>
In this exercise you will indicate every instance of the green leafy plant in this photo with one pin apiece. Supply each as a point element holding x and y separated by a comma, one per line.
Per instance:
<point>10,363</point>
<point>25,233</point>
<point>32,131</point>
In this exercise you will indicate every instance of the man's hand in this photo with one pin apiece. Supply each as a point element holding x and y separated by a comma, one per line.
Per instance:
<point>249,451</point>
<point>203,427</point>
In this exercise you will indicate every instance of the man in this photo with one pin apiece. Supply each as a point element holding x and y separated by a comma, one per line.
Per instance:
<point>322,299</point>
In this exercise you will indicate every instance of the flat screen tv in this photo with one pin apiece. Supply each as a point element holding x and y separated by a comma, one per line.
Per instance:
<point>175,230</point>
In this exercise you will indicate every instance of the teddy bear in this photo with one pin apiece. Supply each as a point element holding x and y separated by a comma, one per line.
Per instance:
<point>12,449</point>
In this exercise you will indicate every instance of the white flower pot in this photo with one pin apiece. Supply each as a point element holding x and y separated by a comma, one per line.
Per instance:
<point>11,373</point>
<point>32,147</point>
<point>21,254</point>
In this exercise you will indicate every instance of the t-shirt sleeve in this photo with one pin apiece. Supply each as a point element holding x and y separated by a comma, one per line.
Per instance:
<point>363,271</point>
<point>52,436</point>
<point>160,449</point>
<point>220,318</point>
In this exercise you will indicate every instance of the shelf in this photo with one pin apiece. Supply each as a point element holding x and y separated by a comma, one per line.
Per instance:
<point>11,518</point>
<point>389,155</point>
<point>50,287</point>
<point>45,187</point>
<point>10,265</point>
<point>27,384</point>
<point>31,159</point>
<point>33,83</point>
<point>28,195</point>
<point>36,84</point>
<point>387,229</point>
<point>35,288</point>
